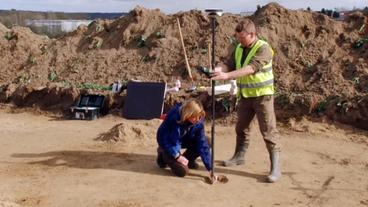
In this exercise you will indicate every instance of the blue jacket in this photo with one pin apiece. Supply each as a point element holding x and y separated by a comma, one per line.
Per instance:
<point>172,136</point>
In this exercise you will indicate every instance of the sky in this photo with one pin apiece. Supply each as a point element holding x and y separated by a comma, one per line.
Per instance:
<point>171,6</point>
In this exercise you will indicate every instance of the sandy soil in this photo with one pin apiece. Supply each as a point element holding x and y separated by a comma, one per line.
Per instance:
<point>47,161</point>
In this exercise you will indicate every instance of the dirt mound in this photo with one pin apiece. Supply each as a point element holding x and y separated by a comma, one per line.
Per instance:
<point>317,65</point>
<point>314,53</point>
<point>3,29</point>
<point>21,50</point>
<point>144,45</point>
<point>320,63</point>
<point>131,134</point>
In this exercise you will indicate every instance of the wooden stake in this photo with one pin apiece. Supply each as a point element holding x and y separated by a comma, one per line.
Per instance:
<point>185,53</point>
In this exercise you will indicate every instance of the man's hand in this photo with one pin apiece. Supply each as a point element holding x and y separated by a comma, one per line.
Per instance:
<point>181,159</point>
<point>220,76</point>
<point>218,69</point>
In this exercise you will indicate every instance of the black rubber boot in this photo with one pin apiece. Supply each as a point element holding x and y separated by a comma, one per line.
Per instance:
<point>238,157</point>
<point>275,172</point>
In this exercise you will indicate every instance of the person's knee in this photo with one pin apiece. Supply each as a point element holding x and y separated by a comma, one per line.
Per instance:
<point>179,169</point>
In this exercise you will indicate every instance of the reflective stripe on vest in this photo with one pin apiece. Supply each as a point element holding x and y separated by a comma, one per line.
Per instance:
<point>258,84</point>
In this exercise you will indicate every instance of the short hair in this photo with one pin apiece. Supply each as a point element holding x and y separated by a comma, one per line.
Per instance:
<point>246,25</point>
<point>192,108</point>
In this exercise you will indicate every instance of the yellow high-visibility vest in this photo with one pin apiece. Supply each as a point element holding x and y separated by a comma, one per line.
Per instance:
<point>257,84</point>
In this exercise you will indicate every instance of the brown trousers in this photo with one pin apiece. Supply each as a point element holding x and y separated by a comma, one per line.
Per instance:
<point>263,108</point>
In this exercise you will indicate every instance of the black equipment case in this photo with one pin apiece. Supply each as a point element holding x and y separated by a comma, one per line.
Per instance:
<point>89,107</point>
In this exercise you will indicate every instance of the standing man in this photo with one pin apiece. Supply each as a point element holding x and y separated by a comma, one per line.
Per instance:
<point>251,66</point>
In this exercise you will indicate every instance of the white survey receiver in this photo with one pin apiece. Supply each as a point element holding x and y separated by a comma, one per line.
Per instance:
<point>225,88</point>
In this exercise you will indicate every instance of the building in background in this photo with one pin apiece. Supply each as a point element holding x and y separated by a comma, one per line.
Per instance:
<point>54,27</point>
<point>52,23</point>
<point>246,13</point>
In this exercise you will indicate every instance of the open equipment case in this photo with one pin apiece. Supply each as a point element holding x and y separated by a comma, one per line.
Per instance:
<point>89,107</point>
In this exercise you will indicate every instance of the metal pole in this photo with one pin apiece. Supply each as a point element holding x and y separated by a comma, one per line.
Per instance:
<point>212,14</point>
<point>213,25</point>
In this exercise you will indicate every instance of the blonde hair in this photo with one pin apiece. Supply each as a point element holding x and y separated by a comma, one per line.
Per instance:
<point>192,108</point>
<point>246,25</point>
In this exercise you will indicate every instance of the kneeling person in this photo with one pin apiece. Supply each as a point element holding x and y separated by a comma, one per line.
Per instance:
<point>183,128</point>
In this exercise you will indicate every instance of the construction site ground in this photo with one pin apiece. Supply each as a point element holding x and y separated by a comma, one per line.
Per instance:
<point>48,161</point>
<point>321,80</point>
